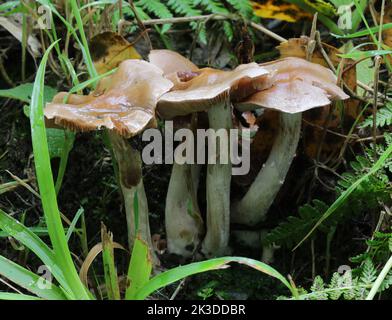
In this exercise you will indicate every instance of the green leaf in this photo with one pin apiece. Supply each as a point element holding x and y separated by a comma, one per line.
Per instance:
<point>56,142</point>
<point>356,55</point>
<point>110,272</point>
<point>181,272</point>
<point>24,91</point>
<point>17,296</point>
<point>365,73</point>
<point>8,5</point>
<point>140,267</point>
<point>345,194</point>
<point>364,32</point>
<point>28,280</point>
<point>29,239</point>
<point>46,186</point>
<point>383,117</point>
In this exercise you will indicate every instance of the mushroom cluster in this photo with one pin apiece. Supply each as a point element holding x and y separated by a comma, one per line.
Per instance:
<point>170,87</point>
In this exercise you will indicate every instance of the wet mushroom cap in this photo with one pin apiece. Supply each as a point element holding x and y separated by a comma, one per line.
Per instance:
<point>171,61</point>
<point>297,86</point>
<point>125,105</point>
<point>210,87</point>
<point>175,67</point>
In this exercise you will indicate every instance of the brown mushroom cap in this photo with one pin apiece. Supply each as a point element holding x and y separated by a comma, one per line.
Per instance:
<point>127,105</point>
<point>298,85</point>
<point>175,67</point>
<point>171,61</point>
<point>210,87</point>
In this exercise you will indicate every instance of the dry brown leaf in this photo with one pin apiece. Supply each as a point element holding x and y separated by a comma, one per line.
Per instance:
<point>279,10</point>
<point>16,29</point>
<point>109,49</point>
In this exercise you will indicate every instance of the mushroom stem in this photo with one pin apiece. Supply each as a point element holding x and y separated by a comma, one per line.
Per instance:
<point>131,183</point>
<point>253,207</point>
<point>216,240</point>
<point>184,225</point>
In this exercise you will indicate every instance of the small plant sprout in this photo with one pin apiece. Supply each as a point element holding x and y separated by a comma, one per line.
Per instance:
<point>298,85</point>
<point>125,105</point>
<point>212,91</point>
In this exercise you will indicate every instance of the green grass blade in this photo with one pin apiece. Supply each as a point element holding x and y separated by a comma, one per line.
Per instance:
<point>91,81</point>
<point>140,267</point>
<point>339,201</point>
<point>330,24</point>
<point>110,272</point>
<point>9,186</point>
<point>75,220</point>
<point>86,51</point>
<point>46,186</point>
<point>381,277</point>
<point>181,272</point>
<point>17,296</point>
<point>356,55</point>
<point>28,280</point>
<point>363,33</point>
<point>71,29</point>
<point>29,239</point>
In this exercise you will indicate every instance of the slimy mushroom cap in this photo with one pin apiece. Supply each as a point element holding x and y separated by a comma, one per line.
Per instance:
<point>211,86</point>
<point>297,86</point>
<point>126,104</point>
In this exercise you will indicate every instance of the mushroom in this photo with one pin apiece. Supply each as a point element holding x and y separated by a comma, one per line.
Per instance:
<point>126,107</point>
<point>298,85</point>
<point>212,91</point>
<point>183,221</point>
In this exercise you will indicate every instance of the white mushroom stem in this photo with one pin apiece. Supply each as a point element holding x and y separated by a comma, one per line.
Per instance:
<point>216,240</point>
<point>184,225</point>
<point>131,183</point>
<point>253,207</point>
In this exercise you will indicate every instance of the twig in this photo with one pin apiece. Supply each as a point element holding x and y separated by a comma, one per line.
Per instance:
<point>175,293</point>
<point>140,23</point>
<point>377,64</point>
<point>354,137</point>
<point>312,42</point>
<point>4,73</point>
<point>381,24</point>
<point>267,32</point>
<point>211,17</point>
<point>369,89</point>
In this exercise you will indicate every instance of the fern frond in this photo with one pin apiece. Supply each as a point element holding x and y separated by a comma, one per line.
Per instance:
<point>336,283</point>
<point>187,8</point>
<point>387,283</point>
<point>292,230</point>
<point>317,289</point>
<point>369,273</point>
<point>214,7</point>
<point>184,7</point>
<point>383,117</point>
<point>211,6</point>
<point>243,7</point>
<point>156,8</point>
